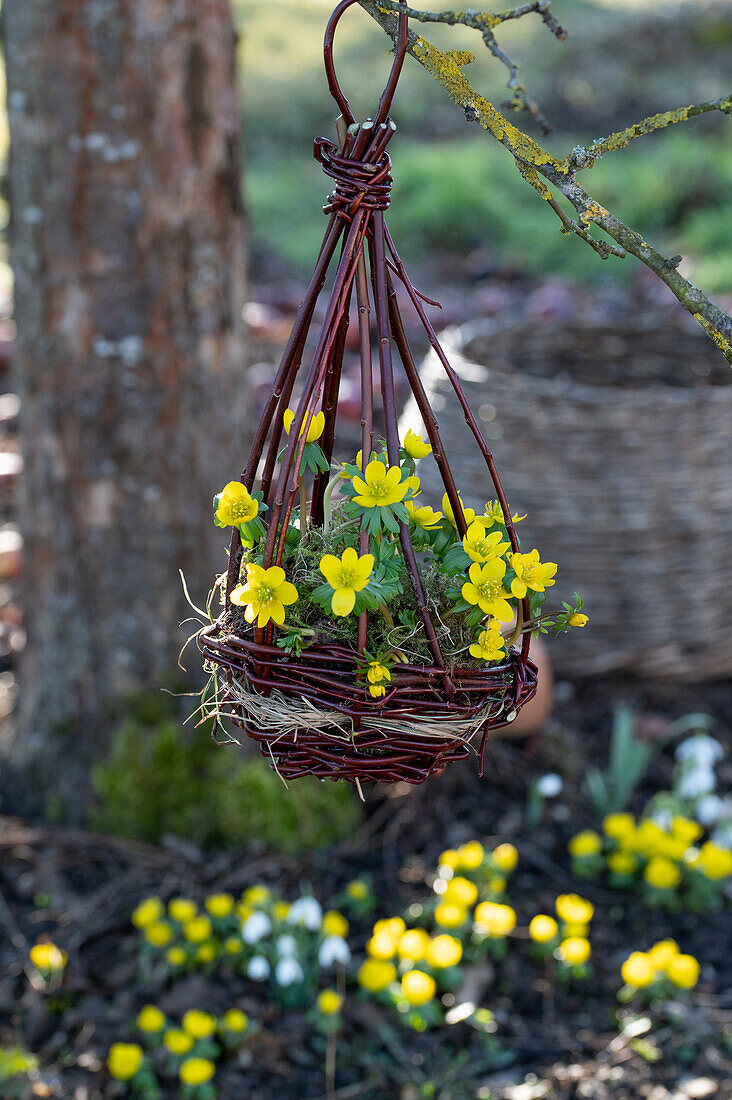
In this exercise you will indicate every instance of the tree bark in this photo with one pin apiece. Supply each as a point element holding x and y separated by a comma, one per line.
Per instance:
<point>127,245</point>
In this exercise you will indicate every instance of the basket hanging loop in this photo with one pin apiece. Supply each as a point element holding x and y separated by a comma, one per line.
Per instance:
<point>399,55</point>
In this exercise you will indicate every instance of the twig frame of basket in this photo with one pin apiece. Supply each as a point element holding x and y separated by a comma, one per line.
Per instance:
<point>310,718</point>
<point>315,714</point>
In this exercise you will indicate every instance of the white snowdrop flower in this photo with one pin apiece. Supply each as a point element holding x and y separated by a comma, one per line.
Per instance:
<point>288,971</point>
<point>696,781</point>
<point>549,785</point>
<point>663,818</point>
<point>333,949</point>
<point>701,748</point>
<point>256,927</point>
<point>709,809</point>
<point>286,945</point>
<point>258,968</point>
<point>306,912</point>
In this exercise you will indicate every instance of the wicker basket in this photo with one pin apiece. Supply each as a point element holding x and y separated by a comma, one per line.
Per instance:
<point>615,438</point>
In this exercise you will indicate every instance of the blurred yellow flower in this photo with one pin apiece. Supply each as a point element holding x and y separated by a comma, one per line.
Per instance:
<point>375,975</point>
<point>622,863</point>
<point>206,953</point>
<point>683,971</point>
<point>233,945</point>
<point>443,951</point>
<point>315,430</point>
<point>382,945</point>
<point>334,924</point>
<point>505,857</point>
<point>346,575</point>
<point>48,957</point>
<point>415,446</point>
<point>418,988</point>
<point>662,952</point>
<point>197,930</point>
<point>177,1042</point>
<point>176,956</point>
<point>158,934</point>
<point>460,891</point>
<point>619,826</point>
<point>235,1020</point>
<point>265,595</point>
<point>393,925</point>
<point>280,909</point>
<point>147,912</point>
<point>586,843</point>
<point>575,950</point>
<point>182,909</point>
<point>686,829</point>
<point>449,915</point>
<point>662,874</point>
<point>196,1071</point>
<point>496,919</point>
<point>413,944</point>
<point>471,855</point>
<point>236,505</point>
<point>638,970</point>
<point>451,858</point>
<point>124,1061</point>
<point>715,861</point>
<point>357,889</point>
<point>329,1002</point>
<point>199,1025</point>
<point>151,1019</point>
<point>543,928</point>
<point>220,905</point>
<point>574,909</point>
<point>256,895</point>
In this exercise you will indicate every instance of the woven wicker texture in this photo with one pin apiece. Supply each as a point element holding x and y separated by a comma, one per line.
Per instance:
<point>616,440</point>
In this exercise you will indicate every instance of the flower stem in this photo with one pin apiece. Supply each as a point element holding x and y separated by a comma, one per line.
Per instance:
<point>303,509</point>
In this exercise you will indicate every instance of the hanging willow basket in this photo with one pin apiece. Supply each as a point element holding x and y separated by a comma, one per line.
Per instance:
<point>381,682</point>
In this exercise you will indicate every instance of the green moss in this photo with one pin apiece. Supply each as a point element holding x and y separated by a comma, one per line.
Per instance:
<point>160,778</point>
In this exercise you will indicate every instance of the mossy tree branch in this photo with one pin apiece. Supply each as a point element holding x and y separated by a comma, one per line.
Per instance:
<point>534,162</point>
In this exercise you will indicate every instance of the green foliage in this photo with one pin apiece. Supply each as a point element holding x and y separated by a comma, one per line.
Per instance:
<point>15,1066</point>
<point>159,778</point>
<point>611,789</point>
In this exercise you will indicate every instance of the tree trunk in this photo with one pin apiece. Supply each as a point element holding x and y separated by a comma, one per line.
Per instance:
<point>128,253</point>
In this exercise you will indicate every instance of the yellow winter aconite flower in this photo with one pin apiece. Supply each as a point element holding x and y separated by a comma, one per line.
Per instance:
<point>334,924</point>
<point>662,874</point>
<point>573,909</point>
<point>375,975</point>
<point>382,945</point>
<point>265,595</point>
<point>317,424</point>
<point>329,1002</point>
<point>236,505</point>
<point>468,513</point>
<point>449,915</point>
<point>424,517</point>
<point>543,928</point>
<point>220,905</point>
<point>683,971</point>
<point>357,889</point>
<point>505,857</point>
<point>638,970</point>
<point>450,858</point>
<point>622,863</point>
<point>197,930</point>
<point>415,446</point>
<point>485,588</point>
<point>151,1019</point>
<point>206,953</point>
<point>471,855</point>
<point>177,1041</point>
<point>586,843</point>
<point>395,926</point>
<point>715,861</point>
<point>686,829</point>
<point>280,909</point>
<point>233,945</point>
<point>490,646</point>
<point>175,956</point>
<point>147,912</point>
<point>413,944</point>
<point>460,891</point>
<point>158,934</point>
<point>662,952</point>
<point>199,1025</point>
<point>418,988</point>
<point>182,909</point>
<point>531,573</point>
<point>255,895</point>
<point>575,950</point>
<point>346,575</point>
<point>619,826</point>
<point>577,618</point>
<point>377,672</point>
<point>196,1071</point>
<point>481,546</point>
<point>650,839</point>
<point>494,514</point>
<point>235,1020</point>
<point>443,951</point>
<point>124,1061</point>
<point>496,919</point>
<point>47,956</point>
<point>379,486</point>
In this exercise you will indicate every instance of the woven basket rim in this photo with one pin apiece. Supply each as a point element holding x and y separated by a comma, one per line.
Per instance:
<point>455,339</point>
